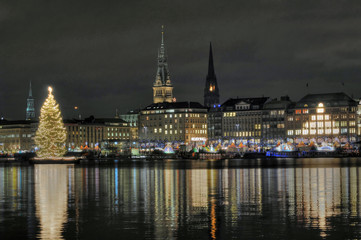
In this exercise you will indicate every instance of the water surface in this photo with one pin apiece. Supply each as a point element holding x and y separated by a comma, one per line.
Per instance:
<point>183,199</point>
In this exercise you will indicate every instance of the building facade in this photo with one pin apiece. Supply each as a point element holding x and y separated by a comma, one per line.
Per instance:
<point>323,118</point>
<point>132,117</point>
<point>184,122</point>
<point>92,132</point>
<point>273,120</point>
<point>242,119</point>
<point>215,114</point>
<point>162,86</point>
<point>17,136</point>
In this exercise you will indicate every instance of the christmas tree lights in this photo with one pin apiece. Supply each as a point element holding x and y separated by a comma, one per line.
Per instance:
<point>51,134</point>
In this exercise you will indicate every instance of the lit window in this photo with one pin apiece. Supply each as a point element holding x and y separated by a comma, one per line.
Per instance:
<point>305,111</point>
<point>290,132</point>
<point>298,111</point>
<point>320,131</point>
<point>320,110</point>
<point>319,117</point>
<point>336,131</point>
<point>305,132</point>
<point>298,132</point>
<point>328,131</point>
<point>313,117</point>
<point>312,131</point>
<point>166,132</point>
<point>327,117</point>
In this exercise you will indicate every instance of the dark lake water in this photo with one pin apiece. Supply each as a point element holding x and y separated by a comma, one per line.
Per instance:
<point>183,199</point>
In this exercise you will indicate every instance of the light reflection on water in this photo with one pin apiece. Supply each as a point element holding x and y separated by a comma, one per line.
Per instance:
<point>51,199</point>
<point>180,199</point>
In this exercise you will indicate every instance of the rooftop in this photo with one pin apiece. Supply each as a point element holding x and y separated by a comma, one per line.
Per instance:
<point>174,105</point>
<point>256,103</point>
<point>328,99</point>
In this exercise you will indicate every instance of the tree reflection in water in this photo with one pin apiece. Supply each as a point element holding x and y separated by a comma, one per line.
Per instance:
<point>51,199</point>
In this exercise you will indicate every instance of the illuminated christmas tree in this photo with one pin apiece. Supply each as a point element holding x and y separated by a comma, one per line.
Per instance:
<point>51,134</point>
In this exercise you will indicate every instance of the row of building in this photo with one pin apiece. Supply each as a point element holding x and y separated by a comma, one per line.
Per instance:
<point>89,133</point>
<point>262,121</point>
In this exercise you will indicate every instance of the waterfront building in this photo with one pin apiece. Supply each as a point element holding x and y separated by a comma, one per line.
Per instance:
<point>184,122</point>
<point>162,86</point>
<point>328,118</point>
<point>132,118</point>
<point>17,136</point>
<point>211,91</point>
<point>30,108</point>
<point>92,132</point>
<point>359,119</point>
<point>273,120</point>
<point>242,119</point>
<point>215,123</point>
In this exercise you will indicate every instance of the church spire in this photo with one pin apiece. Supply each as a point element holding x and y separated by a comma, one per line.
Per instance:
<point>161,52</point>
<point>162,87</point>
<point>211,91</point>
<point>30,91</point>
<point>210,62</point>
<point>30,110</point>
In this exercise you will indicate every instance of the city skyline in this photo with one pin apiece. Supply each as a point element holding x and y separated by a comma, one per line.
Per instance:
<point>95,59</point>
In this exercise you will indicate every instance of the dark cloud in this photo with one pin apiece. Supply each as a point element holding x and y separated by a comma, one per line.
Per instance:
<point>101,55</point>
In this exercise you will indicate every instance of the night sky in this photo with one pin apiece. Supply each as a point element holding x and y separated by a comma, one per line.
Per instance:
<point>102,55</point>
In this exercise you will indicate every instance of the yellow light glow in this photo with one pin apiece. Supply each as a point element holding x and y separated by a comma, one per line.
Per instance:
<point>51,134</point>
<point>50,89</point>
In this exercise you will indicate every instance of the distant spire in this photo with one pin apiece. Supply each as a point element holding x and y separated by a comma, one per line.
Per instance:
<point>30,109</point>
<point>116,113</point>
<point>211,72</point>
<point>211,91</point>
<point>30,91</point>
<point>162,54</point>
<point>162,34</point>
